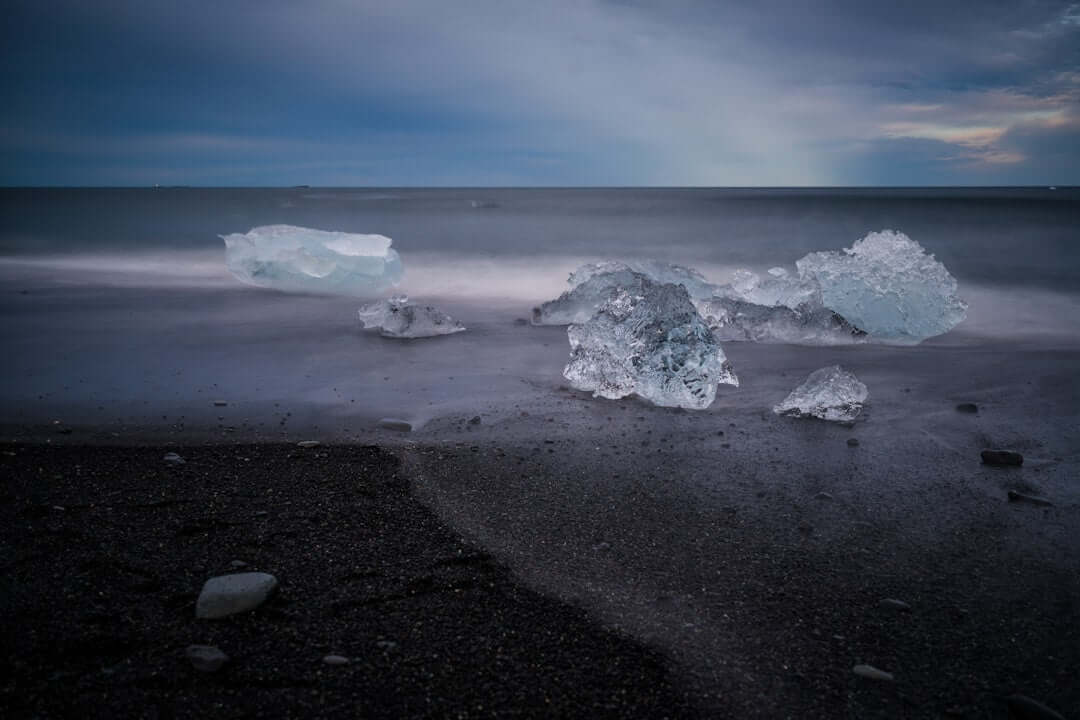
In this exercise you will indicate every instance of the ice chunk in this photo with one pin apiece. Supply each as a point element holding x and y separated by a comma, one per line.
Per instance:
<point>587,296</point>
<point>779,288</point>
<point>398,318</point>
<point>593,284</point>
<point>830,393</point>
<point>806,324</point>
<point>887,285</point>
<point>300,259</point>
<point>649,340</point>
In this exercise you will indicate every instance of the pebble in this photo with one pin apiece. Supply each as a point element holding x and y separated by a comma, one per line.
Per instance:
<point>386,645</point>
<point>872,673</point>
<point>308,443</point>
<point>220,403</point>
<point>173,459</point>
<point>852,442</point>
<point>1021,497</point>
<point>475,420</point>
<point>394,424</point>
<point>206,658</point>
<point>1022,707</point>
<point>967,408</point>
<point>1002,457</point>
<point>823,496</point>
<point>230,594</point>
<point>238,564</point>
<point>894,604</point>
<point>336,660</point>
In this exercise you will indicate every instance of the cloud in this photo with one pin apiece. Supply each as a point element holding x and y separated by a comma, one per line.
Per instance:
<point>565,92</point>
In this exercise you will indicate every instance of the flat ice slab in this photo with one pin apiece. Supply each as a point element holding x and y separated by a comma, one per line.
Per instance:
<point>398,318</point>
<point>298,259</point>
<point>830,393</point>
<point>230,594</point>
<point>650,341</point>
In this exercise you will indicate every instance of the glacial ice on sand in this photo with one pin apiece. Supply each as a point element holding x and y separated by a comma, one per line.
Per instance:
<point>398,318</point>
<point>301,259</point>
<point>806,324</point>
<point>593,284</point>
<point>830,393</point>
<point>649,340</point>
<point>887,285</point>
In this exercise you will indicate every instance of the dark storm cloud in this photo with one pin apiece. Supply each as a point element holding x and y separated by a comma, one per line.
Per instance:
<point>569,92</point>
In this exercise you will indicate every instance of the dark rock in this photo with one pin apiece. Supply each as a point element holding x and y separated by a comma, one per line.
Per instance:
<point>394,424</point>
<point>521,321</point>
<point>1002,458</point>
<point>475,420</point>
<point>967,408</point>
<point>1021,497</point>
<point>206,658</point>
<point>894,604</point>
<point>853,442</point>
<point>1022,707</point>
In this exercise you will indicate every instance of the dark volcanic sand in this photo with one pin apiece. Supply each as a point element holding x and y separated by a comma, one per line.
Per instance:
<point>105,549</point>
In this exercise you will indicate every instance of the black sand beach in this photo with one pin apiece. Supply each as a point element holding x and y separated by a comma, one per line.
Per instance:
<point>106,548</point>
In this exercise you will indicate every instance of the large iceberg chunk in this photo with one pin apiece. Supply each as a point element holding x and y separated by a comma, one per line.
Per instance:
<point>398,318</point>
<point>888,286</point>
<point>593,284</point>
<point>830,393</point>
<point>649,340</point>
<point>300,259</point>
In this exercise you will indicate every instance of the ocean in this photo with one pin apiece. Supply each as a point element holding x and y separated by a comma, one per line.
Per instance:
<point>119,312</point>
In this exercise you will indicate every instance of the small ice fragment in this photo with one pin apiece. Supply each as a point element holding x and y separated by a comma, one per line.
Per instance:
<point>173,459</point>
<point>830,393</point>
<point>308,443</point>
<point>648,340</point>
<point>887,285</point>
<point>299,259</point>
<point>397,318</point>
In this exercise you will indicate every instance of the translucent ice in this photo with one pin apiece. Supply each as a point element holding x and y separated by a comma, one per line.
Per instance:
<point>887,285</point>
<point>593,284</point>
<point>830,393</point>
<point>806,324</point>
<point>397,318</point>
<point>649,340</point>
<point>300,259</point>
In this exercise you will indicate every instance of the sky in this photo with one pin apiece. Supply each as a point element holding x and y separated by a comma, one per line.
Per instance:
<point>540,93</point>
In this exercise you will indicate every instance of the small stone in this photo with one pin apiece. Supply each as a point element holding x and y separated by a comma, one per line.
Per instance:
<point>173,459</point>
<point>1021,497</point>
<point>261,513</point>
<point>394,424</point>
<point>521,321</point>
<point>238,564</point>
<point>872,673</point>
<point>220,403</point>
<point>206,658</point>
<point>475,420</point>
<point>894,604</point>
<point>335,660</point>
<point>970,408</point>
<point>1002,458</point>
<point>386,645</point>
<point>1022,707</point>
<point>308,443</point>
<point>230,594</point>
<point>59,508</point>
<point>853,442</point>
